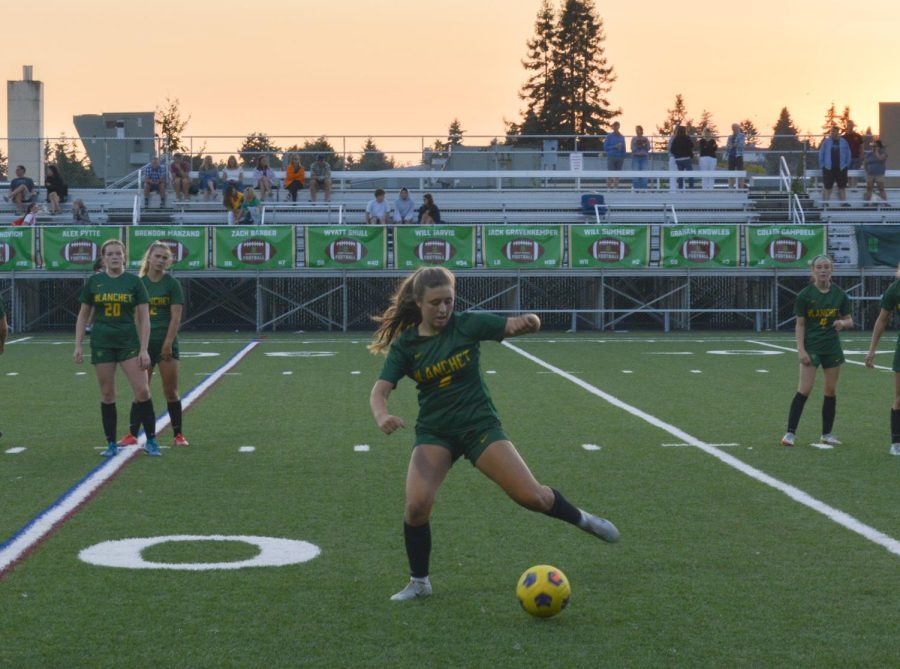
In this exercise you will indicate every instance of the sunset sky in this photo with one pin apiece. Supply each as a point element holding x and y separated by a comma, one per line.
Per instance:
<point>408,67</point>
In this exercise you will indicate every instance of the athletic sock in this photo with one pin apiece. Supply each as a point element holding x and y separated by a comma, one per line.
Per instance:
<point>175,415</point>
<point>134,422</point>
<point>829,408</point>
<point>564,510</point>
<point>895,426</point>
<point>108,415</point>
<point>147,418</point>
<point>797,405</point>
<point>418,548</point>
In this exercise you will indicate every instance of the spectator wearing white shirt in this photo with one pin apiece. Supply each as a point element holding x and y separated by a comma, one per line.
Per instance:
<point>377,210</point>
<point>405,208</point>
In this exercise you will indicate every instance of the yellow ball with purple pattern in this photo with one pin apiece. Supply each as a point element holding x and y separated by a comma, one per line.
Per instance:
<point>543,591</point>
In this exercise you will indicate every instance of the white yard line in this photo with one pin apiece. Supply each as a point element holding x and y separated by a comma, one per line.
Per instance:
<point>833,514</point>
<point>16,341</point>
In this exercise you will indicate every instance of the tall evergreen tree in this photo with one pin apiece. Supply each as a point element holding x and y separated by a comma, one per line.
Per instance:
<point>74,169</point>
<point>751,134</point>
<point>786,142</point>
<point>372,158</point>
<point>831,118</point>
<point>844,121</point>
<point>540,63</point>
<point>455,133</point>
<point>258,144</point>
<point>707,122</point>
<point>674,117</point>
<point>171,126</point>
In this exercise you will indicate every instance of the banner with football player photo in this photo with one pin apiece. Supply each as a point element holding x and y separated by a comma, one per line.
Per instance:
<point>254,247</point>
<point>445,245</point>
<point>771,246</point>
<point>16,249</point>
<point>522,246</point>
<point>351,247</point>
<point>189,245</point>
<point>700,246</point>
<point>75,248</point>
<point>609,246</point>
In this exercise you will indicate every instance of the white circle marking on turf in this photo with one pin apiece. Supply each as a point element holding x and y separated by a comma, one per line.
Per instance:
<point>14,450</point>
<point>361,448</point>
<point>745,351</point>
<point>824,447</point>
<point>199,354</point>
<point>590,447</point>
<point>246,449</point>
<point>126,553</point>
<point>301,354</point>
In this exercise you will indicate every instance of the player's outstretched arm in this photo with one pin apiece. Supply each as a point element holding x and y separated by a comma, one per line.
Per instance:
<point>378,399</point>
<point>525,324</point>
<point>884,317</point>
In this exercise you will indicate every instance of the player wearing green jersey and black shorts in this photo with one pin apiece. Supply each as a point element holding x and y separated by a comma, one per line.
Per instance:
<point>890,304</point>
<point>440,351</point>
<point>120,335</point>
<point>166,305</point>
<point>822,310</point>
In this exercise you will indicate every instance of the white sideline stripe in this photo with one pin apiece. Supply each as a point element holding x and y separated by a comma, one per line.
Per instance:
<point>836,515</point>
<point>44,523</point>
<point>16,341</point>
<point>793,350</point>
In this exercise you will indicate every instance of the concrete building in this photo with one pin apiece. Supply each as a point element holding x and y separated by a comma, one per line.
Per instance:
<point>117,143</point>
<point>889,131</point>
<point>25,125</point>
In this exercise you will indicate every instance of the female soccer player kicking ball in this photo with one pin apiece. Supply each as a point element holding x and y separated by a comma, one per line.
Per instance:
<point>117,297</point>
<point>166,305</point>
<point>890,302</point>
<point>822,310</point>
<point>439,350</point>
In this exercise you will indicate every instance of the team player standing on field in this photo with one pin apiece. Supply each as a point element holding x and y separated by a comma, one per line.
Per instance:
<point>890,303</point>
<point>120,336</point>
<point>822,310</point>
<point>424,340</point>
<point>166,305</point>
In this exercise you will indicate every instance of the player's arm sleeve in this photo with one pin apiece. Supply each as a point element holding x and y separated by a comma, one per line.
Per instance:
<point>483,326</point>
<point>177,293</point>
<point>845,305</point>
<point>140,293</point>
<point>395,367</point>
<point>800,307</point>
<point>85,295</point>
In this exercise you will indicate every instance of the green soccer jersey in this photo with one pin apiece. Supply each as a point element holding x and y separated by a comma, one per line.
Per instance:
<point>452,394</point>
<point>163,294</point>
<point>2,309</point>
<point>114,300</point>
<point>821,310</point>
<point>890,300</point>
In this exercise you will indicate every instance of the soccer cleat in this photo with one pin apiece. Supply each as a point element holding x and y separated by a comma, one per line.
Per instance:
<point>152,448</point>
<point>180,440</point>
<point>128,440</point>
<point>787,439</point>
<point>111,450</point>
<point>417,587</point>
<point>599,527</point>
<point>829,439</point>
<point>895,449</point>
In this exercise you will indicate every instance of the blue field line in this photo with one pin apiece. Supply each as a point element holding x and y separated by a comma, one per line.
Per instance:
<point>117,462</point>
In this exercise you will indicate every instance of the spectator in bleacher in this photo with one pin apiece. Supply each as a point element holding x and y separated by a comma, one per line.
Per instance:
<point>734,152</point>
<point>208,175</point>
<point>429,214</point>
<point>614,147</point>
<point>834,159</point>
<point>57,191</point>
<point>708,148</point>
<point>294,176</point>
<point>180,167</point>
<point>21,190</point>
<point>265,178</point>
<point>682,151</point>
<point>320,173</point>
<point>378,210</point>
<point>640,155</point>
<point>404,208</point>
<point>30,216</point>
<point>233,175</point>
<point>855,141</point>
<point>80,212</point>
<point>876,162</point>
<point>250,213</point>
<point>231,200</point>
<point>154,180</point>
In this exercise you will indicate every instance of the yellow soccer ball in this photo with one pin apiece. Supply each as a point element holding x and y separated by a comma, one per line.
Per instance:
<point>543,591</point>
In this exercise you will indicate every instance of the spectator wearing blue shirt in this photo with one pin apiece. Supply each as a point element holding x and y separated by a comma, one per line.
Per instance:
<point>154,180</point>
<point>378,211</point>
<point>614,147</point>
<point>405,208</point>
<point>734,151</point>
<point>834,159</point>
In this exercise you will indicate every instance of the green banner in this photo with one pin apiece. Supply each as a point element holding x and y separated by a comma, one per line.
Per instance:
<point>189,245</point>
<point>878,245</point>
<point>254,247</point>
<point>784,246</point>
<point>609,246</point>
<point>700,246</point>
<point>341,247</point>
<point>522,246</point>
<point>444,245</point>
<point>16,249</point>
<point>75,248</point>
